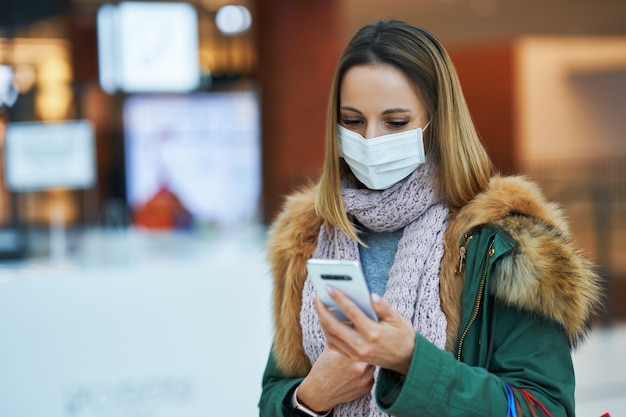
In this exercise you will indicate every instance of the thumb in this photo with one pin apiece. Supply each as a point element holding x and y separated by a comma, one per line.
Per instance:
<point>382,309</point>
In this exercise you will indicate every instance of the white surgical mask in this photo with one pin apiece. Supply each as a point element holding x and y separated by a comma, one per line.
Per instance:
<point>381,162</point>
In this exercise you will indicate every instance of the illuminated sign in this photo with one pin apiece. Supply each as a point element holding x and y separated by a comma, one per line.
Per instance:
<point>39,156</point>
<point>148,47</point>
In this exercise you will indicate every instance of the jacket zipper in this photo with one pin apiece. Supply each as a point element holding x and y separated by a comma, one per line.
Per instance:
<point>463,251</point>
<point>479,297</point>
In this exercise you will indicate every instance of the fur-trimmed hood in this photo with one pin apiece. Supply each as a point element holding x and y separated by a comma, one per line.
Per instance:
<point>545,274</point>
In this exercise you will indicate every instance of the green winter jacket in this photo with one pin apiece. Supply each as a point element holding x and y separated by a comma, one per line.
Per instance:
<point>517,294</point>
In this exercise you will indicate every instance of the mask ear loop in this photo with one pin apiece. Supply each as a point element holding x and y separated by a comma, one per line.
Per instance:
<point>429,120</point>
<point>423,129</point>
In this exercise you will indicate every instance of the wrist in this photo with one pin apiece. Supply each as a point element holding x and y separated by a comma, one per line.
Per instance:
<point>301,409</point>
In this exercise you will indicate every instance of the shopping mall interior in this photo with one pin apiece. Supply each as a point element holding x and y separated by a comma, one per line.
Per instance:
<point>145,147</point>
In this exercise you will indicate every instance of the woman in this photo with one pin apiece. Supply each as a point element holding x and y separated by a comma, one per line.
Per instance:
<point>479,293</point>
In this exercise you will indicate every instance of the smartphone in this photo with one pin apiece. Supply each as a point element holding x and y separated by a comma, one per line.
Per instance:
<point>347,277</point>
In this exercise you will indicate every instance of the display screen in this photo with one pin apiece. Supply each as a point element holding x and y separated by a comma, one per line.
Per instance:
<point>203,150</point>
<point>148,47</point>
<point>40,156</point>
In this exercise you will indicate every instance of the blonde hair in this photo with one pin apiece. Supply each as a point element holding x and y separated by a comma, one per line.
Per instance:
<point>463,167</point>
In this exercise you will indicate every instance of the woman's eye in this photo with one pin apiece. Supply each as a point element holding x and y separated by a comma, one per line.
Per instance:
<point>351,122</point>
<point>398,123</point>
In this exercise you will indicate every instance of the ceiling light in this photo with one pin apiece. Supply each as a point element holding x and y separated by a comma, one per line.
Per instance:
<point>232,20</point>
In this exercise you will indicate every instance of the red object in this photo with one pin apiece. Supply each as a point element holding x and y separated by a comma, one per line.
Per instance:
<point>163,211</point>
<point>531,398</point>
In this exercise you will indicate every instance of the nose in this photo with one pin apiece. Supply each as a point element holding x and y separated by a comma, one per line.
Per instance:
<point>372,131</point>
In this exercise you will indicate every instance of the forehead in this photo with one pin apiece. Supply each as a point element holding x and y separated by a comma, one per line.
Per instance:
<point>376,86</point>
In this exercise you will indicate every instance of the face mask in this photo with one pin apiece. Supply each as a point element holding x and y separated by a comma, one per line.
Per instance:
<point>381,162</point>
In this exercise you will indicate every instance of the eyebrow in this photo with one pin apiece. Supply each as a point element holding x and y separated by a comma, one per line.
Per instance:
<point>388,111</point>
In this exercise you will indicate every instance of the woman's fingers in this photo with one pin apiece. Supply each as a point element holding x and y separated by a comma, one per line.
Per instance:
<point>338,334</point>
<point>387,343</point>
<point>352,311</point>
<point>382,309</point>
<point>335,378</point>
<point>355,342</point>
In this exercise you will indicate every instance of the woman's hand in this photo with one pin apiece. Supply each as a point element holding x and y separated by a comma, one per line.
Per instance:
<point>333,379</point>
<point>388,343</point>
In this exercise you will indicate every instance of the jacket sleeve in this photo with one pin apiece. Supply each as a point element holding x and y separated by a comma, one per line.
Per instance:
<point>528,353</point>
<point>276,389</point>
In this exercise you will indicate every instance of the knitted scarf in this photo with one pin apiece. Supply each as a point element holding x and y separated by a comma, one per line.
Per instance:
<point>413,286</point>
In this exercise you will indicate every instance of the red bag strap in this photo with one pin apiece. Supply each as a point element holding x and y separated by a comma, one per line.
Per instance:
<point>530,399</point>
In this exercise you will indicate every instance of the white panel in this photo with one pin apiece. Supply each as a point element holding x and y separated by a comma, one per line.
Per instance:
<point>148,47</point>
<point>39,155</point>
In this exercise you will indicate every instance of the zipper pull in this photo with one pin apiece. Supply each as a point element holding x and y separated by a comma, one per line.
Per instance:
<point>461,258</point>
<point>463,252</point>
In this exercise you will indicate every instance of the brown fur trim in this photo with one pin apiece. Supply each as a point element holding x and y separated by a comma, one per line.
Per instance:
<point>291,242</point>
<point>548,276</point>
<point>451,283</point>
<point>545,275</point>
<point>508,195</point>
<point>503,196</point>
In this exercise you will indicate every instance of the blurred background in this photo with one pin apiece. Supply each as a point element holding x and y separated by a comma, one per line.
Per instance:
<point>146,146</point>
